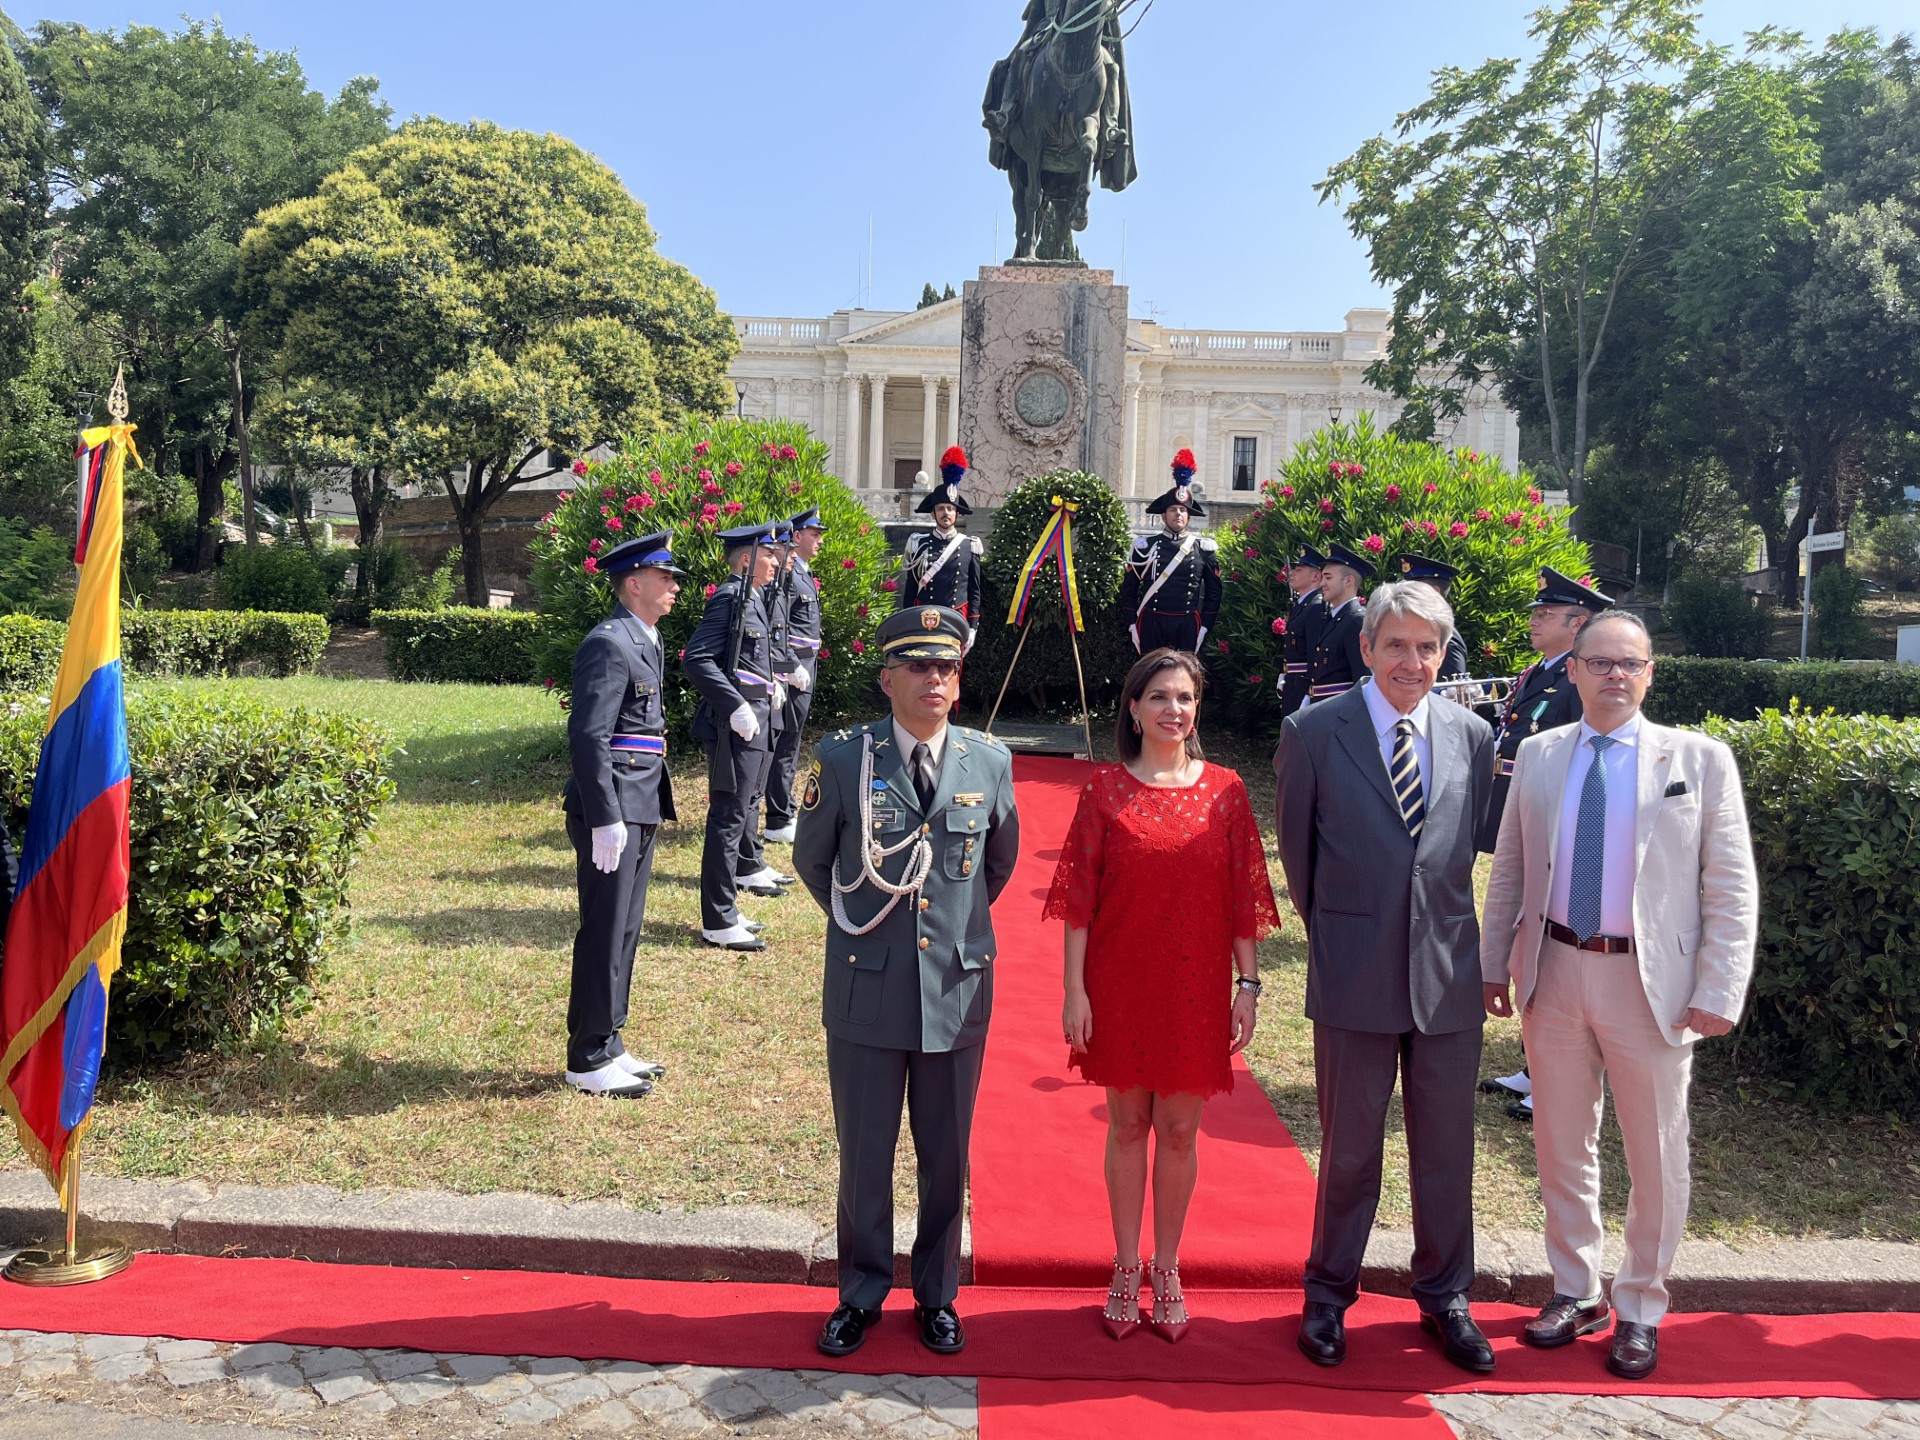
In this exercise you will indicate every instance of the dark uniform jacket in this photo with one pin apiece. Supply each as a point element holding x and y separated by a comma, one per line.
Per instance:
<point>722,691</point>
<point>923,978</point>
<point>924,580</point>
<point>1454,665</point>
<point>1337,664</point>
<point>803,615</point>
<point>1543,698</point>
<point>1305,621</point>
<point>1192,589</point>
<point>617,726</point>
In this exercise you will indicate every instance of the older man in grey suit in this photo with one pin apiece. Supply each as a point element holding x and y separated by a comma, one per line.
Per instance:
<point>1379,795</point>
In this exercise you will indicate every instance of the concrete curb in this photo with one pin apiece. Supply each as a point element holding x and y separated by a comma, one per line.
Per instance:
<point>747,1243</point>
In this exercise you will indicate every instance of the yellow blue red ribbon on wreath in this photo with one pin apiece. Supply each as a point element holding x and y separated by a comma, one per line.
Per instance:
<point>1055,542</point>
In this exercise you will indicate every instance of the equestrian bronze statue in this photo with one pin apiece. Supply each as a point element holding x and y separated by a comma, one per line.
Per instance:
<point>1057,110</point>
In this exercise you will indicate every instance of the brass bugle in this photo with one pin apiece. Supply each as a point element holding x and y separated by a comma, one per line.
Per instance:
<point>1492,690</point>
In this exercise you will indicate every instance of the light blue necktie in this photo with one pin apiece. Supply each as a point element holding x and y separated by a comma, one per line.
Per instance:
<point>1590,845</point>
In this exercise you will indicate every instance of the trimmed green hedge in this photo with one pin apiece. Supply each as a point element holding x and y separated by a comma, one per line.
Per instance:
<point>246,820</point>
<point>476,647</point>
<point>171,642</point>
<point>1687,690</point>
<point>1835,1010</point>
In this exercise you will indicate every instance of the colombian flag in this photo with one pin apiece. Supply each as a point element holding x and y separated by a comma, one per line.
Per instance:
<point>70,910</point>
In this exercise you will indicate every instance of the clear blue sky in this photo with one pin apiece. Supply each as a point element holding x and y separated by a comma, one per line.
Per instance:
<point>763,134</point>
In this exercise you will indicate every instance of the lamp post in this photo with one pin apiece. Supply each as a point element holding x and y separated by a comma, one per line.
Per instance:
<point>739,401</point>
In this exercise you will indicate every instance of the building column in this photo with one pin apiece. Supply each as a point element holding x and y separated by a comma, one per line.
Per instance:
<point>1156,443</point>
<point>929,423</point>
<point>1211,483</point>
<point>953,413</point>
<point>1130,446</point>
<point>850,462</point>
<point>827,417</point>
<point>877,467</point>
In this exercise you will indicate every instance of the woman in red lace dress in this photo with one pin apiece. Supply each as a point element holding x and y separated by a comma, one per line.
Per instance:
<point>1163,885</point>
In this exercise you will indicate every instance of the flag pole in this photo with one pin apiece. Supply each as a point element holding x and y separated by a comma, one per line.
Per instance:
<point>53,1264</point>
<point>1086,725</point>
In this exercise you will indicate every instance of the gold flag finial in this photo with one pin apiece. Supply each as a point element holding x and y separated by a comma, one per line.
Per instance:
<point>117,396</point>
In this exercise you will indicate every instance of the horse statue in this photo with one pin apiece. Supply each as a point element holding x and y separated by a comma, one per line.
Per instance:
<point>1056,109</point>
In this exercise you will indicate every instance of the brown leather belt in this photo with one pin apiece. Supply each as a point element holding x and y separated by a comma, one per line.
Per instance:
<point>1600,944</point>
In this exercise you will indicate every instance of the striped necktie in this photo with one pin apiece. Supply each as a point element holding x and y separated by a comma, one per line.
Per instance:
<point>1589,845</point>
<point>1404,770</point>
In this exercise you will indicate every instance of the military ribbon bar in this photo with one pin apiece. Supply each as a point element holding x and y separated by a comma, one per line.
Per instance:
<point>1055,542</point>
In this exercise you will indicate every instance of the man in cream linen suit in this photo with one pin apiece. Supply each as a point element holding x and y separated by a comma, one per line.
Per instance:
<point>1624,908</point>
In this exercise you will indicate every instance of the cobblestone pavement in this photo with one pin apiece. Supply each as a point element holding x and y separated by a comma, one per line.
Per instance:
<point>340,1394</point>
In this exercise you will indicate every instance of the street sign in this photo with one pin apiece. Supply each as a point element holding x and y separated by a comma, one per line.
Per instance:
<point>1836,540</point>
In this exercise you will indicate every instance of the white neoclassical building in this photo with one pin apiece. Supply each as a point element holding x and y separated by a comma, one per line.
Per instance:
<point>882,388</point>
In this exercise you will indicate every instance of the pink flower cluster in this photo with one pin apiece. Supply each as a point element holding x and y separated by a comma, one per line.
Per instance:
<point>1373,544</point>
<point>1393,493</point>
<point>734,467</point>
<point>1279,624</point>
<point>580,468</point>
<point>1326,506</point>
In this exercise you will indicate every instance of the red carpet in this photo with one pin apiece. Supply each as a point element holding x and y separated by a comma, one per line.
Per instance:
<point>1039,1132</point>
<point>1242,1338</point>
<point>1034,1410</point>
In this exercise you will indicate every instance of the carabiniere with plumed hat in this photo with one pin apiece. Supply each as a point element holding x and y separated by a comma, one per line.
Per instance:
<point>942,566</point>
<point>1170,594</point>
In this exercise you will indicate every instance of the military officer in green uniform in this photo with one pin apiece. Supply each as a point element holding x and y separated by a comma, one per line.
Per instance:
<point>1543,697</point>
<point>907,833</point>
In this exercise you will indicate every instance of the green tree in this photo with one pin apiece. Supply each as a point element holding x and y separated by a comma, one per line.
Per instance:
<point>150,232</point>
<point>928,296</point>
<point>23,201</point>
<point>40,409</point>
<point>1519,202</point>
<point>461,300</point>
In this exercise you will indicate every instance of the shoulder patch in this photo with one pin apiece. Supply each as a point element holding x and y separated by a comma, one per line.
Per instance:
<point>810,795</point>
<point>1209,544</point>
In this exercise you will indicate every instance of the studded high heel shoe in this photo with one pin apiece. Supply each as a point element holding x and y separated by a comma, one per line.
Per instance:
<point>1168,1299</point>
<point>1122,1315</point>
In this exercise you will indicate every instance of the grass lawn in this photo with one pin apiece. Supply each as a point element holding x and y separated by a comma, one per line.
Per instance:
<point>432,1058</point>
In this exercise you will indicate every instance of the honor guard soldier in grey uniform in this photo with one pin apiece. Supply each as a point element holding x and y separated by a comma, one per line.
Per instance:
<point>751,871</point>
<point>1171,589</point>
<point>1543,697</point>
<point>1306,618</point>
<point>801,598</point>
<point>616,798</point>
<point>730,662</point>
<point>1440,575</point>
<point>941,566</point>
<point>1337,663</point>
<point>907,834</point>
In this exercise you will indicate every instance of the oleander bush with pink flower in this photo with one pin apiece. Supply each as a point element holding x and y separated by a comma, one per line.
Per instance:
<point>1384,497</point>
<point>697,480</point>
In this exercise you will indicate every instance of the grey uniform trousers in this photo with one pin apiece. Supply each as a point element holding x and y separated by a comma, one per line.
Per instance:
<point>1354,1071</point>
<point>869,1084</point>
<point>729,816</point>
<point>612,907</point>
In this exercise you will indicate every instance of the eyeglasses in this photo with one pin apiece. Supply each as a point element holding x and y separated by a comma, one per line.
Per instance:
<point>1601,666</point>
<point>939,669</point>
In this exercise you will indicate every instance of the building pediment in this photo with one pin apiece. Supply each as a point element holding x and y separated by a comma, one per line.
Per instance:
<point>935,328</point>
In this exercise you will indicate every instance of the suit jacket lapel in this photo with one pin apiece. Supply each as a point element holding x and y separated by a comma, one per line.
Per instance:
<point>891,766</point>
<point>1556,763</point>
<point>1362,745</point>
<point>1443,744</point>
<point>1654,756</point>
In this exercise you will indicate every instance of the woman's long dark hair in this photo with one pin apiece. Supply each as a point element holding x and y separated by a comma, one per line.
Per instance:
<point>1126,740</point>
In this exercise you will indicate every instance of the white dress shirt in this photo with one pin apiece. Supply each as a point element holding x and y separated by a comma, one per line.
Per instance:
<point>1622,760</point>
<point>908,741</point>
<point>1386,719</point>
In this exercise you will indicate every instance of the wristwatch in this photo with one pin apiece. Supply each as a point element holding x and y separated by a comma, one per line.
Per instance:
<point>1249,983</point>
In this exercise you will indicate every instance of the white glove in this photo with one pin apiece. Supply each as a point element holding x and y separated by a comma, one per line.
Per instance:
<point>1134,631</point>
<point>608,842</point>
<point>779,695</point>
<point>742,723</point>
<point>1201,639</point>
<point>972,631</point>
<point>799,679</point>
<point>1280,685</point>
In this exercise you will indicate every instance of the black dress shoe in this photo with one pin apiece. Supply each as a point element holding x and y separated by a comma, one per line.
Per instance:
<point>1520,1110</point>
<point>1323,1334</point>
<point>940,1329</point>
<point>1460,1340</point>
<point>1636,1350</point>
<point>1565,1320</point>
<point>846,1329</point>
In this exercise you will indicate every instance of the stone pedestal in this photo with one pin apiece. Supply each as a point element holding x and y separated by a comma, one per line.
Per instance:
<point>1042,375</point>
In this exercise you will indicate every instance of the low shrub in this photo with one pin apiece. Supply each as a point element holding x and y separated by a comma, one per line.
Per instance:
<point>206,643</point>
<point>286,577</point>
<point>479,647</point>
<point>1840,630</point>
<point>1713,617</point>
<point>1835,1008</point>
<point>1687,689</point>
<point>246,819</point>
<point>36,570</point>
<point>221,642</point>
<point>29,653</point>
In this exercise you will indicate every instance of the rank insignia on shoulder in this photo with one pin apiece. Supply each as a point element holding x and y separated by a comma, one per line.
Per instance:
<point>810,797</point>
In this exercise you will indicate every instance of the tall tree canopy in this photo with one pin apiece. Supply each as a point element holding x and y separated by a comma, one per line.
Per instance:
<point>463,299</point>
<point>23,203</point>
<point>165,148</point>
